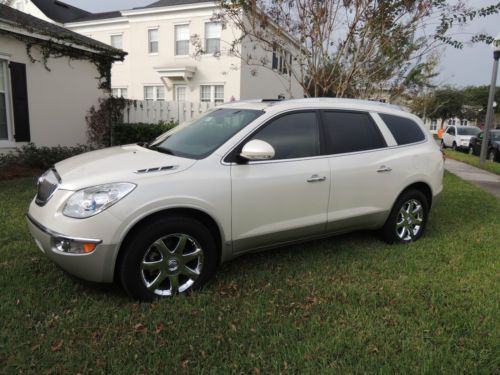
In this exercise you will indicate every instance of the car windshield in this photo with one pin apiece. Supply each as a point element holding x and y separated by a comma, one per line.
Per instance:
<point>469,130</point>
<point>201,137</point>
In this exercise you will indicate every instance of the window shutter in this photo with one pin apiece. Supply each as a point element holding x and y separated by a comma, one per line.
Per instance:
<point>20,102</point>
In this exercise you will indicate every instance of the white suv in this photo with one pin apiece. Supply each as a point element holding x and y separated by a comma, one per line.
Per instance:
<point>246,176</point>
<point>458,137</point>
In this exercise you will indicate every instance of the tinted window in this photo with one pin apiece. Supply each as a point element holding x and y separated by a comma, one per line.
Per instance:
<point>404,130</point>
<point>350,132</point>
<point>293,136</point>
<point>469,130</point>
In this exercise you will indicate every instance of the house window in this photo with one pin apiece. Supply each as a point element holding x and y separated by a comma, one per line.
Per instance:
<point>117,41</point>
<point>4,126</point>
<point>181,40</point>
<point>212,37</point>
<point>212,93</point>
<point>433,125</point>
<point>282,61</point>
<point>153,40</point>
<point>120,92</point>
<point>154,93</point>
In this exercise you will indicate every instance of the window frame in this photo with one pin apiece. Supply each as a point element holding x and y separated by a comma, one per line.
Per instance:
<point>363,112</point>
<point>233,156</point>
<point>207,53</point>
<point>176,54</point>
<point>425,132</point>
<point>213,98</point>
<point>120,91</point>
<point>10,141</point>
<point>157,41</point>
<point>155,93</point>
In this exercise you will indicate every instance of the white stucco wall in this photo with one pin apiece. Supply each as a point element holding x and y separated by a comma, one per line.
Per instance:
<point>138,70</point>
<point>259,80</point>
<point>59,99</point>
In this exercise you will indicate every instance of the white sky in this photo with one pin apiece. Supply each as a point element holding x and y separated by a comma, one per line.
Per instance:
<point>470,66</point>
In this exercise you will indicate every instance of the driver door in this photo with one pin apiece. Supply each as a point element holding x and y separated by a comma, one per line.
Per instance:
<point>286,198</point>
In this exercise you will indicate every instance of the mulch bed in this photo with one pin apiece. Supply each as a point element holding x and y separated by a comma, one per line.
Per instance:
<point>18,171</point>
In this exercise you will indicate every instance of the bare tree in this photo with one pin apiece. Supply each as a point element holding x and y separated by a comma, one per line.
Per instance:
<point>345,48</point>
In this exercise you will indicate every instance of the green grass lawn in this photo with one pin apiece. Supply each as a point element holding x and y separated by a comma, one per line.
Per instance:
<point>346,305</point>
<point>473,160</point>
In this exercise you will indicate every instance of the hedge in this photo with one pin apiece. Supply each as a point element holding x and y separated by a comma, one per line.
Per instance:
<point>140,132</point>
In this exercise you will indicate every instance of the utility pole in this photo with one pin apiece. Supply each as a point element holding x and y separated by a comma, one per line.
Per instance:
<point>493,87</point>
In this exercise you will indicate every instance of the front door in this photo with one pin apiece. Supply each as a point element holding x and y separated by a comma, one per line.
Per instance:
<point>286,198</point>
<point>180,93</point>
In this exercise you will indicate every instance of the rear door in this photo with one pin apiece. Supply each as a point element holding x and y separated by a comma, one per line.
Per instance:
<point>286,198</point>
<point>363,182</point>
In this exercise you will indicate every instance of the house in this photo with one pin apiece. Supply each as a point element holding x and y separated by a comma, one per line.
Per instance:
<point>49,79</point>
<point>163,62</point>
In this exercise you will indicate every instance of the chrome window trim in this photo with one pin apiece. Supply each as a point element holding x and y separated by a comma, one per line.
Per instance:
<point>54,234</point>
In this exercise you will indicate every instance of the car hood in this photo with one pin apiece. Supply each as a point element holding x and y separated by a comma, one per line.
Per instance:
<point>130,163</point>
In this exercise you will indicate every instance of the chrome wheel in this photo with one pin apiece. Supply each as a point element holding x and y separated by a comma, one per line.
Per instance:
<point>409,220</point>
<point>471,151</point>
<point>491,155</point>
<point>172,264</point>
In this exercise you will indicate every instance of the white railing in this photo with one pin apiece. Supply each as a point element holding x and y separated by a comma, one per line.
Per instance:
<point>152,112</point>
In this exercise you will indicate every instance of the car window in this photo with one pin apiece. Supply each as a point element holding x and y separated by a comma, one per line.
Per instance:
<point>351,132</point>
<point>495,136</point>
<point>204,135</point>
<point>469,130</point>
<point>404,130</point>
<point>295,135</point>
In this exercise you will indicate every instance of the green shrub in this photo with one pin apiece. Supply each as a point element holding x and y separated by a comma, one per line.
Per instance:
<point>41,157</point>
<point>135,133</point>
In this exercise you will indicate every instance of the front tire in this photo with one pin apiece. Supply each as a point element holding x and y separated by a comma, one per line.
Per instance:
<point>408,218</point>
<point>168,256</point>
<point>454,146</point>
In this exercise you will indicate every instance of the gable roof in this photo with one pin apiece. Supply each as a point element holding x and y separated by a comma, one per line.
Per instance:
<point>59,11</point>
<point>13,21</point>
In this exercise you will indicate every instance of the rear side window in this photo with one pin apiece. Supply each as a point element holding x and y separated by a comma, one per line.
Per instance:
<point>351,132</point>
<point>404,130</point>
<point>295,135</point>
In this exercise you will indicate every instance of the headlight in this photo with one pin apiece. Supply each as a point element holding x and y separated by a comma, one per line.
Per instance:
<point>90,201</point>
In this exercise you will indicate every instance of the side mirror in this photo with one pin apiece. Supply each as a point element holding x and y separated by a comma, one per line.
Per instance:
<point>257,150</point>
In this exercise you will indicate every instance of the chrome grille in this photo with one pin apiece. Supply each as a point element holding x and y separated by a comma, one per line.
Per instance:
<point>47,185</point>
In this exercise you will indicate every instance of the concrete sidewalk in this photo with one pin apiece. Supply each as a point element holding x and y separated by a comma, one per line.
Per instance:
<point>481,178</point>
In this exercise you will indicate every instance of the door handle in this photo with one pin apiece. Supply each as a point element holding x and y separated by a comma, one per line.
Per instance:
<point>384,169</point>
<point>316,178</point>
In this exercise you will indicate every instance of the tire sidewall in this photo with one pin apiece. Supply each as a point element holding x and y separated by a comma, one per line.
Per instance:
<point>136,247</point>
<point>389,232</point>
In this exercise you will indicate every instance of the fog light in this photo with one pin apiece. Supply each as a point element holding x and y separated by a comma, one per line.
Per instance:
<point>69,246</point>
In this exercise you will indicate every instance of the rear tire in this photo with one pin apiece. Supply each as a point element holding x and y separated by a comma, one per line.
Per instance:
<point>491,155</point>
<point>408,218</point>
<point>168,256</point>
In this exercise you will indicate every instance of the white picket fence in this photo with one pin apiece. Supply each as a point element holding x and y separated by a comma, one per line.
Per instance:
<point>152,112</point>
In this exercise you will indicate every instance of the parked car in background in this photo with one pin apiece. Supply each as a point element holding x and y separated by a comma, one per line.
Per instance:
<point>458,137</point>
<point>246,176</point>
<point>493,153</point>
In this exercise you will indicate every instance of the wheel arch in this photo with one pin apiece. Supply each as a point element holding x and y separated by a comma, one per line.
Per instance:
<point>420,186</point>
<point>197,214</point>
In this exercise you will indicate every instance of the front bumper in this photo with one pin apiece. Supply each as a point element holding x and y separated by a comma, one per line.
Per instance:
<point>97,266</point>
